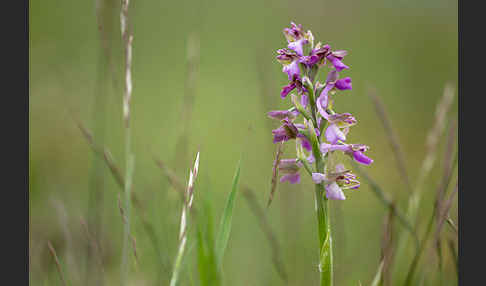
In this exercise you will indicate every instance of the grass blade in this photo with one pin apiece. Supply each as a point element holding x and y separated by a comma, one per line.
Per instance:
<point>209,274</point>
<point>377,280</point>
<point>387,247</point>
<point>58,264</point>
<point>186,207</point>
<point>225,226</point>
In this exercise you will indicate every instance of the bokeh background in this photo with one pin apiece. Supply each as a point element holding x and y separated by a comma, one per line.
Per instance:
<point>215,101</point>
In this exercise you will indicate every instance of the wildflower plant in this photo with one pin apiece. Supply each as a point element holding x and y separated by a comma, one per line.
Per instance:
<point>318,130</point>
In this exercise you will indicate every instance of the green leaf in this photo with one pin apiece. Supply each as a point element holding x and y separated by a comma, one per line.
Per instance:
<point>225,226</point>
<point>206,258</point>
<point>378,277</point>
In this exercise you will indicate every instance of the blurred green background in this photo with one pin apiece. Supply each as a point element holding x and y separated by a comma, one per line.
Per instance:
<point>407,50</point>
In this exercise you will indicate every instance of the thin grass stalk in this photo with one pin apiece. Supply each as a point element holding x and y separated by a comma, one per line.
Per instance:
<point>451,244</point>
<point>443,205</point>
<point>171,177</point>
<point>378,279</point>
<point>387,247</point>
<point>418,255</point>
<point>423,246</point>
<point>273,186</point>
<point>423,243</point>
<point>431,147</point>
<point>119,179</point>
<point>71,262</point>
<point>92,243</point>
<point>448,167</point>
<point>392,137</point>
<point>190,92</point>
<point>186,207</point>
<point>97,176</point>
<point>152,234</point>
<point>442,216</point>
<point>129,158</point>
<point>438,248</point>
<point>58,264</point>
<point>259,212</point>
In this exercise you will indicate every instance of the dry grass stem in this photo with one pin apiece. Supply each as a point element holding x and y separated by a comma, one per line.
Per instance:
<point>444,213</point>
<point>274,182</point>
<point>392,136</point>
<point>93,243</point>
<point>387,247</point>
<point>171,177</point>
<point>190,91</point>
<point>125,221</point>
<point>103,151</point>
<point>267,229</point>
<point>448,166</point>
<point>56,260</point>
<point>434,135</point>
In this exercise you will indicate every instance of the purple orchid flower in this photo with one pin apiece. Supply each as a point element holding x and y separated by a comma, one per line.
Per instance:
<point>336,182</point>
<point>334,134</point>
<point>332,82</point>
<point>298,66</point>
<point>290,62</point>
<point>290,168</point>
<point>335,58</point>
<point>295,38</point>
<point>356,151</point>
<point>282,114</point>
<point>305,142</point>
<point>292,70</point>
<point>316,55</point>
<point>287,131</point>
<point>337,122</point>
<point>296,83</point>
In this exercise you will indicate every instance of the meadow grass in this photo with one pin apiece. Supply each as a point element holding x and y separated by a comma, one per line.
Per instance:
<point>153,252</point>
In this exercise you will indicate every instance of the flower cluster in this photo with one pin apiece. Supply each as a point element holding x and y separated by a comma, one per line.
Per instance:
<point>323,130</point>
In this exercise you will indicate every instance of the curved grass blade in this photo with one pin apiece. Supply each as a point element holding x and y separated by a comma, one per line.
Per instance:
<point>58,263</point>
<point>377,281</point>
<point>206,258</point>
<point>225,226</point>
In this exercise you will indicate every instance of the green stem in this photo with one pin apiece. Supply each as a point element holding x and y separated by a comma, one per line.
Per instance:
<point>127,208</point>
<point>325,239</point>
<point>418,255</point>
<point>178,262</point>
<point>324,229</point>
